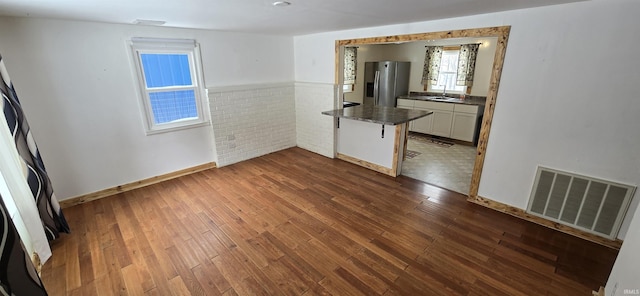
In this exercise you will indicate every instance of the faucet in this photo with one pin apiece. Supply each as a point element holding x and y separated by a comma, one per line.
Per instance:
<point>444,86</point>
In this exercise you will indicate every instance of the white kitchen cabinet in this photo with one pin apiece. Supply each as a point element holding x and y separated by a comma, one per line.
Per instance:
<point>456,121</point>
<point>438,123</point>
<point>434,105</point>
<point>423,124</point>
<point>465,118</point>
<point>463,127</point>
<point>406,104</point>
<point>441,124</point>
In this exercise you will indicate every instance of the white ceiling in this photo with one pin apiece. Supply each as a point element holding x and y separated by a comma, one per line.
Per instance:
<point>260,16</point>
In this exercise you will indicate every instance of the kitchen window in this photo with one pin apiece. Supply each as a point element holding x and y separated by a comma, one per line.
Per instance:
<point>448,72</point>
<point>170,83</point>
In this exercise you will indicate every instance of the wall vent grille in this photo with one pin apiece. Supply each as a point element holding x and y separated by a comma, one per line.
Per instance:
<point>590,204</point>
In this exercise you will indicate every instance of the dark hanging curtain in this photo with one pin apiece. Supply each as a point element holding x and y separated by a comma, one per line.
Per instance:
<point>431,69</point>
<point>467,64</point>
<point>50,213</point>
<point>350,64</point>
<point>18,276</point>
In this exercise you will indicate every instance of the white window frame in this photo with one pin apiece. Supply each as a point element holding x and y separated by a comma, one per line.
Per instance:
<point>170,46</point>
<point>458,89</point>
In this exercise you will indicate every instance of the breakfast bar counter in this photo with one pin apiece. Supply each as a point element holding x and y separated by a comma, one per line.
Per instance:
<point>374,137</point>
<point>378,114</point>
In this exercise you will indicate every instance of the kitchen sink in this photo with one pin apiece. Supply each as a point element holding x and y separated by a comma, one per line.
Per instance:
<point>442,99</point>
<point>435,98</point>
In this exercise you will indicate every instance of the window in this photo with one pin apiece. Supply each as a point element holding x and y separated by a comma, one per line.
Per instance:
<point>448,72</point>
<point>170,85</point>
<point>347,88</point>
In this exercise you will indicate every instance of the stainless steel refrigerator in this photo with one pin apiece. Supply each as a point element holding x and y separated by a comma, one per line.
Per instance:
<point>385,81</point>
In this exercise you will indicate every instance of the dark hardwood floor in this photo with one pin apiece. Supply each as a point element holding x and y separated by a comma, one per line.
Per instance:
<point>296,223</point>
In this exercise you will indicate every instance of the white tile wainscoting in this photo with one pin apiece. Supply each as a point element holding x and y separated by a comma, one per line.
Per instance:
<point>314,131</point>
<point>252,120</point>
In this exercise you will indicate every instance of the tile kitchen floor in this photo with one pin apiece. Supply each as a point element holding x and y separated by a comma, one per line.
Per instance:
<point>446,167</point>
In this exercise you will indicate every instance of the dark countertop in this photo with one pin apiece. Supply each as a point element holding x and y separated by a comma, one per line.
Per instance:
<point>468,101</point>
<point>378,114</point>
<point>346,104</point>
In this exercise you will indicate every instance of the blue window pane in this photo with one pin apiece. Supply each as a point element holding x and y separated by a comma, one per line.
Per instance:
<point>166,69</point>
<point>173,105</point>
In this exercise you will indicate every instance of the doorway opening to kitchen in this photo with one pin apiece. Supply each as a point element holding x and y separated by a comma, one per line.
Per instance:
<point>434,154</point>
<point>442,147</point>
<point>439,161</point>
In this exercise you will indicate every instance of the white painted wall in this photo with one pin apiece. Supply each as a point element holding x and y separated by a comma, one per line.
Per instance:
<point>412,52</point>
<point>562,101</point>
<point>77,86</point>
<point>624,275</point>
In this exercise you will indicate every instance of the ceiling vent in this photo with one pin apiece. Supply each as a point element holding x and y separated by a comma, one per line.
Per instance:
<point>593,205</point>
<point>281,3</point>
<point>148,22</point>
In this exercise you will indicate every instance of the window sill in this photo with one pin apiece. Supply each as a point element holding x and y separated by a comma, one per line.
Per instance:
<point>167,129</point>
